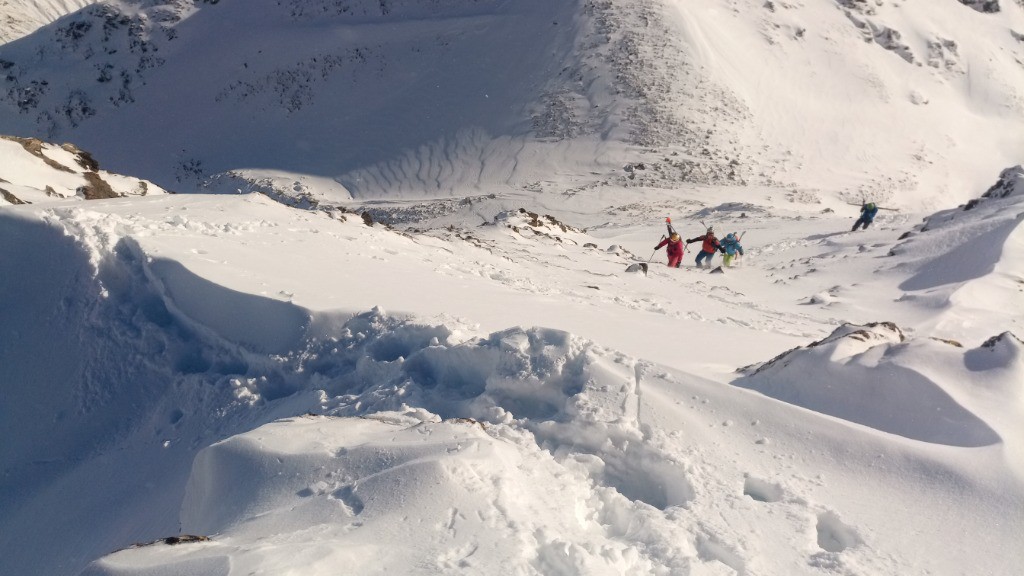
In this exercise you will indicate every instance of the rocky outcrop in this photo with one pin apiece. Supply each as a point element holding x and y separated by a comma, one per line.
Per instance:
<point>73,174</point>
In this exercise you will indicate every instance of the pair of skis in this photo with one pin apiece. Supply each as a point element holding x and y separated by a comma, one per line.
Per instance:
<point>876,206</point>
<point>671,230</point>
<point>738,238</point>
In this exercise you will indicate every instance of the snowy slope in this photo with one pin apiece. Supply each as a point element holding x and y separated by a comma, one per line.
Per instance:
<point>440,364</point>
<point>913,104</point>
<point>22,17</point>
<point>301,392</point>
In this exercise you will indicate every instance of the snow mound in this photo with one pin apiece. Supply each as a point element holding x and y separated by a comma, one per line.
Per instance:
<point>134,386</point>
<point>319,492</point>
<point>445,434</point>
<point>343,480</point>
<point>865,374</point>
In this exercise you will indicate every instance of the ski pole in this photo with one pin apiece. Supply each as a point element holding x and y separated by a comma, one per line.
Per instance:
<point>655,251</point>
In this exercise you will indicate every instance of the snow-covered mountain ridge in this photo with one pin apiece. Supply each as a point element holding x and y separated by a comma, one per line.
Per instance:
<point>332,100</point>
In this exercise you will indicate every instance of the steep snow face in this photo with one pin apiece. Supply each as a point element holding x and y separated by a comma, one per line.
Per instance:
<point>903,102</point>
<point>19,18</point>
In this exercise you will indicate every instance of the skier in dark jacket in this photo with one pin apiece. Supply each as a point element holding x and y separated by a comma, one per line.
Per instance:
<point>707,249</point>
<point>674,251</point>
<point>867,215</point>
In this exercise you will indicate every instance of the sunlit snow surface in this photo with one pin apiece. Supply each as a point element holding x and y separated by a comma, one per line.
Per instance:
<point>309,392</point>
<point>199,384</point>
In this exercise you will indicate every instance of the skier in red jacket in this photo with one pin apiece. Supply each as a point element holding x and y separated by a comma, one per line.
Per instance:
<point>707,249</point>
<point>675,249</point>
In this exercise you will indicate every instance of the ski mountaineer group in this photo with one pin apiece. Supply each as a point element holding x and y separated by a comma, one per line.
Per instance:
<point>730,246</point>
<point>709,244</point>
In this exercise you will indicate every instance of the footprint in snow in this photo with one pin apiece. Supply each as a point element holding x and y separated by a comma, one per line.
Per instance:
<point>352,503</point>
<point>834,535</point>
<point>762,490</point>
<point>711,548</point>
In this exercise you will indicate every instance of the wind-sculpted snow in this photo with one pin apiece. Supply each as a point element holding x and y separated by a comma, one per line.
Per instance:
<point>860,374</point>
<point>970,257</point>
<point>965,243</point>
<point>262,325</point>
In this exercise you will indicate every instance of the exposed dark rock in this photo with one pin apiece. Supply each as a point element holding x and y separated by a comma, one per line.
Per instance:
<point>174,540</point>
<point>984,6</point>
<point>11,198</point>
<point>97,188</point>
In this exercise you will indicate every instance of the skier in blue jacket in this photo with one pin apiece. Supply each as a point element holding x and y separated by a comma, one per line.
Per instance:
<point>732,246</point>
<point>867,215</point>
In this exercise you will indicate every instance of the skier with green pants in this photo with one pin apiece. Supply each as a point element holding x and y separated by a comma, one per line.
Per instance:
<point>732,246</point>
